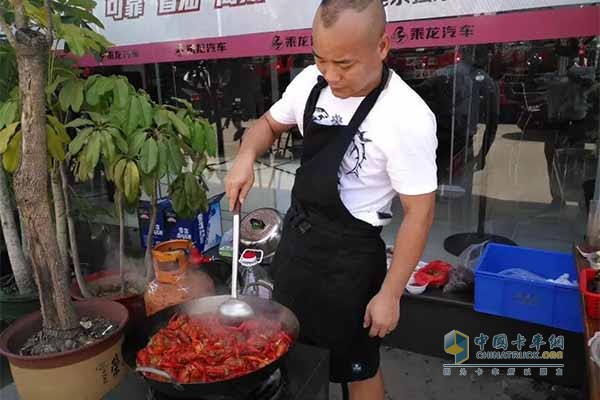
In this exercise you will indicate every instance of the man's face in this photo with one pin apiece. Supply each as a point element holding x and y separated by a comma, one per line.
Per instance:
<point>348,54</point>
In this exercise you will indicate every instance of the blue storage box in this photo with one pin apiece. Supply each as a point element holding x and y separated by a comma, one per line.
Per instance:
<point>545,303</point>
<point>144,210</point>
<point>205,230</point>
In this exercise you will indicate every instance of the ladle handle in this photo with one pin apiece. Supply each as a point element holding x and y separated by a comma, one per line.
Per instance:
<point>236,249</point>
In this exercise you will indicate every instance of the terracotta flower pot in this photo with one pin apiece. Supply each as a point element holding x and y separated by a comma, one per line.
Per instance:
<point>87,373</point>
<point>134,302</point>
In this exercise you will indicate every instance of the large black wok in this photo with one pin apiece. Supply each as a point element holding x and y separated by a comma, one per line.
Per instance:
<point>240,386</point>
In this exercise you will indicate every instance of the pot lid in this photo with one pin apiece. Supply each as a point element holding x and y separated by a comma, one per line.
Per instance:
<point>260,224</point>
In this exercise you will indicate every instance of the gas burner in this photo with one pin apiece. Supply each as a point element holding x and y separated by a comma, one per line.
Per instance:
<point>273,388</point>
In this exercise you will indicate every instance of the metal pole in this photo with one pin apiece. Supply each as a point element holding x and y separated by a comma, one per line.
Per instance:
<point>158,88</point>
<point>597,185</point>
<point>453,115</point>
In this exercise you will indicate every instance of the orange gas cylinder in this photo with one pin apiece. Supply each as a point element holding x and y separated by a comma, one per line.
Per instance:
<point>174,283</point>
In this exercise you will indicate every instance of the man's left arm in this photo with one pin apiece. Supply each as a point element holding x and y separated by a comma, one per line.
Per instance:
<point>383,312</point>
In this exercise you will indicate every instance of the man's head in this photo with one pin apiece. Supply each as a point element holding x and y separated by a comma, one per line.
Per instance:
<point>350,45</point>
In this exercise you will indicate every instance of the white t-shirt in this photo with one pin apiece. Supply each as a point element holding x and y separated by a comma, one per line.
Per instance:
<point>393,152</point>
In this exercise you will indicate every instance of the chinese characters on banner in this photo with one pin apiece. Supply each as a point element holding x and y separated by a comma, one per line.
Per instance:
<point>200,48</point>
<point>124,9</point>
<point>166,7</point>
<point>424,33</point>
<point>292,42</point>
<point>131,9</point>
<point>235,3</point>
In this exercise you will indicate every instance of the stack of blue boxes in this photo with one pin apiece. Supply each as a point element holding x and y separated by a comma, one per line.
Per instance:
<point>205,230</point>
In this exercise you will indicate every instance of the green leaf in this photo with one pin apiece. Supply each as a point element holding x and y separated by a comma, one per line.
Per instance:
<point>71,95</point>
<point>74,37</point>
<point>163,159</point>
<point>131,180</point>
<point>198,138</point>
<point>12,156</point>
<point>6,135</point>
<point>161,117</point>
<point>149,156</point>
<point>121,93</point>
<point>135,142</point>
<point>119,172</point>
<point>50,89</point>
<point>93,151</point>
<point>55,145</point>
<point>92,95</point>
<point>85,4</point>
<point>135,114</point>
<point>211,139</point>
<point>175,158</point>
<point>200,165</point>
<point>147,111</point>
<point>186,104</point>
<point>118,116</point>
<point>98,118</point>
<point>119,141</point>
<point>179,202</point>
<point>79,140</point>
<point>193,192</point>
<point>79,122</point>
<point>108,147</point>
<point>181,127</point>
<point>37,13</point>
<point>148,184</point>
<point>104,85</point>
<point>8,113</point>
<point>59,128</point>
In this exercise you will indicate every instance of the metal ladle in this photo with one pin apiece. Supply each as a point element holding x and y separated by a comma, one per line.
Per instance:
<point>234,311</point>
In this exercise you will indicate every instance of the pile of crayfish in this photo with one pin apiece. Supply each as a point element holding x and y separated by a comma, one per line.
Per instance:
<point>200,349</point>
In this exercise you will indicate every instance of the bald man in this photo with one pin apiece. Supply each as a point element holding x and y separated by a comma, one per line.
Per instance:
<point>368,137</point>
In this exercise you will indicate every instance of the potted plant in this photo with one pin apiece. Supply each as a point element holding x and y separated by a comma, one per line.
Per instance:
<point>137,143</point>
<point>64,339</point>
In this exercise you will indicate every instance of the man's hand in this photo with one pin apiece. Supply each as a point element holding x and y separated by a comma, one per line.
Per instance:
<point>240,179</point>
<point>382,314</point>
<point>257,140</point>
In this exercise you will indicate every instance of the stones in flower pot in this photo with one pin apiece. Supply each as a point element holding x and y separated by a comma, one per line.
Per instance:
<point>88,372</point>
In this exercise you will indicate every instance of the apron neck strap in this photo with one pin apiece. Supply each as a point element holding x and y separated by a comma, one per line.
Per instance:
<point>368,102</point>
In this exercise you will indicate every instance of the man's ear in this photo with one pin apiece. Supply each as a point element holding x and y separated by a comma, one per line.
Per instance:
<point>384,46</point>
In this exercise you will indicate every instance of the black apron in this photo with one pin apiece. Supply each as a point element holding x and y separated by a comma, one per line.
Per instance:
<point>329,264</point>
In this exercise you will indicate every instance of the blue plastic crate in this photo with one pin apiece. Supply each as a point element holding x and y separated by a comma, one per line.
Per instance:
<point>205,230</point>
<point>144,210</point>
<point>545,303</point>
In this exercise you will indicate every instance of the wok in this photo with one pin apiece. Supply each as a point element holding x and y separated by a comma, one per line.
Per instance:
<point>239,386</point>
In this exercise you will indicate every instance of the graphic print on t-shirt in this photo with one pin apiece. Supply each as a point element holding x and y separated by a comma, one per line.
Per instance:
<point>320,114</point>
<point>336,119</point>
<point>357,152</point>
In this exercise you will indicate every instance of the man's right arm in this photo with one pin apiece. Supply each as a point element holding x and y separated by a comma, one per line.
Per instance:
<point>261,136</point>
<point>257,140</point>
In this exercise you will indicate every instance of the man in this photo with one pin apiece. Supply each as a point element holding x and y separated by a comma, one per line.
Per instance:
<point>367,136</point>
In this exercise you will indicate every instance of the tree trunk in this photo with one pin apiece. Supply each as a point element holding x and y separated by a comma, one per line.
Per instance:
<point>31,189</point>
<point>60,218</point>
<point>120,213</point>
<point>73,234</point>
<point>19,264</point>
<point>150,239</point>
<point>24,240</point>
